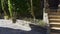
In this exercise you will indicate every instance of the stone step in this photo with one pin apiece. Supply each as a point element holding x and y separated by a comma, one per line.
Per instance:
<point>54,20</point>
<point>54,33</point>
<point>55,23</point>
<point>54,13</point>
<point>56,28</point>
<point>54,16</point>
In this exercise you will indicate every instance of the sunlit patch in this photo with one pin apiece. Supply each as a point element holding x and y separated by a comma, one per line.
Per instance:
<point>20,24</point>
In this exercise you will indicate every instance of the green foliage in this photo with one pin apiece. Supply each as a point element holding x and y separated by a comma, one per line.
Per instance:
<point>0,6</point>
<point>10,7</point>
<point>42,23</point>
<point>38,22</point>
<point>22,8</point>
<point>12,12</point>
<point>4,7</point>
<point>38,10</point>
<point>32,9</point>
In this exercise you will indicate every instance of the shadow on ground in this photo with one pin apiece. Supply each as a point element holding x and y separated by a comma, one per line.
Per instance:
<point>35,30</point>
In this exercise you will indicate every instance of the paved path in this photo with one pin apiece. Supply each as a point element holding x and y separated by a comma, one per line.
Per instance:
<point>20,24</point>
<point>20,28</point>
<point>19,31</point>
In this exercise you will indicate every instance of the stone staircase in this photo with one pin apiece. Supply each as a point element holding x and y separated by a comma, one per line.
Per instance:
<point>54,20</point>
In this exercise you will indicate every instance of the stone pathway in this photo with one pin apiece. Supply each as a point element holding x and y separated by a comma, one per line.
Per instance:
<point>21,27</point>
<point>20,24</point>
